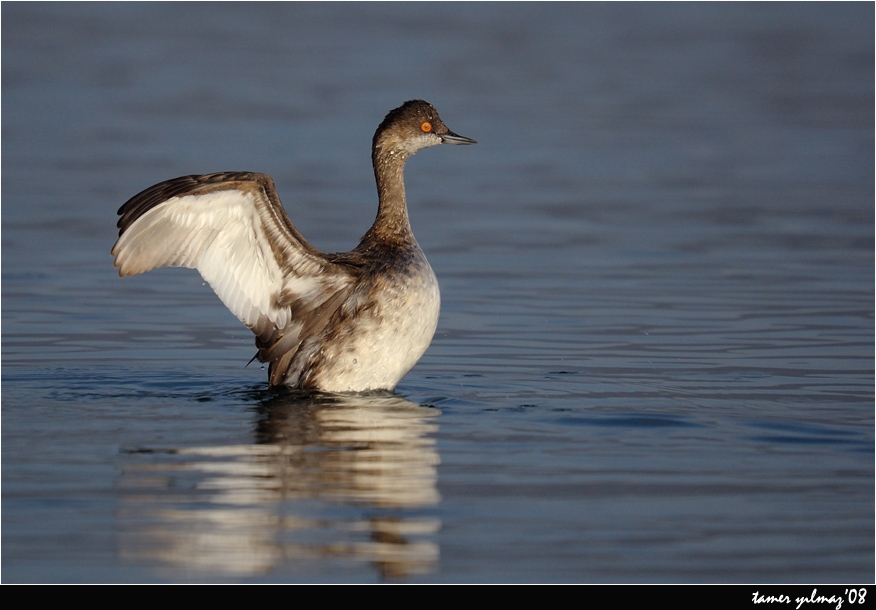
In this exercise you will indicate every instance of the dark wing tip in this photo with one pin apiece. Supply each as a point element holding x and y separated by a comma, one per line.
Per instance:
<point>157,194</point>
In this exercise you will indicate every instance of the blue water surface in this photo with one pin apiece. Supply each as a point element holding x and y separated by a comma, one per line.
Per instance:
<point>655,355</point>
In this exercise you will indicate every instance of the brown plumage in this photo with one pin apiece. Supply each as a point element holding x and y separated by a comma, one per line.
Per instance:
<point>351,321</point>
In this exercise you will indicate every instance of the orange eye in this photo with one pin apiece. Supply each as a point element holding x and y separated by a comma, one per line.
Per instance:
<point>426,127</point>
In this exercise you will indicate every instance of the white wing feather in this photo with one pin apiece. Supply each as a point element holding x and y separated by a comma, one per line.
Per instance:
<point>233,238</point>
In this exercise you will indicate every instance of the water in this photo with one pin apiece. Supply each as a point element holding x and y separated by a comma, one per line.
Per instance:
<point>655,355</point>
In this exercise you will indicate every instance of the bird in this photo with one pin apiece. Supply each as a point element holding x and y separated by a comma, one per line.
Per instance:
<point>340,322</point>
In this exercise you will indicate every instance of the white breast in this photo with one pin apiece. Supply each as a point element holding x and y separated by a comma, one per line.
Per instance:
<point>379,346</point>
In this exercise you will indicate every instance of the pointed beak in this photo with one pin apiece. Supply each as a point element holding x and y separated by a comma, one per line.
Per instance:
<point>452,138</point>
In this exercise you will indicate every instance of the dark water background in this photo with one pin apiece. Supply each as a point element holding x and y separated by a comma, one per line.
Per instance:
<point>656,351</point>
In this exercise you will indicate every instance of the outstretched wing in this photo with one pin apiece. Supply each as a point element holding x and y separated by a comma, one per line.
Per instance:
<point>232,228</point>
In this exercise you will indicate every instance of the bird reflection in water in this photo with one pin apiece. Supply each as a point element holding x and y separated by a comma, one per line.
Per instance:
<point>329,479</point>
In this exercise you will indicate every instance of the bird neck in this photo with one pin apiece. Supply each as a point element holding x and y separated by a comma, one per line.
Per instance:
<point>392,212</point>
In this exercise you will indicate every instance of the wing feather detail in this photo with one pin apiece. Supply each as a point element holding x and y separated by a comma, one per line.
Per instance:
<point>232,228</point>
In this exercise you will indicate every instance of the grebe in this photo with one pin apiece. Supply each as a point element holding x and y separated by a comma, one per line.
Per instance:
<point>335,322</point>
